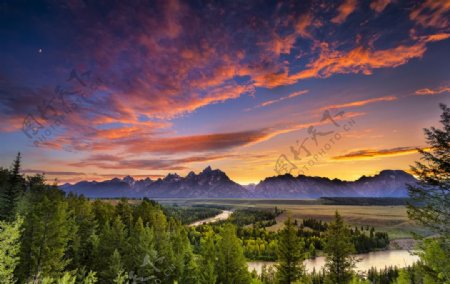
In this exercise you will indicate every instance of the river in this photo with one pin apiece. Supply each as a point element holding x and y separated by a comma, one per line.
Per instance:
<point>222,216</point>
<point>378,259</point>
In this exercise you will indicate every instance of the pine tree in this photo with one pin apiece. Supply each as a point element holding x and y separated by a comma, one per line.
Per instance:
<point>191,271</point>
<point>9,249</point>
<point>46,236</point>
<point>433,188</point>
<point>84,231</point>
<point>112,237</point>
<point>231,264</point>
<point>11,191</point>
<point>431,195</point>
<point>339,250</point>
<point>114,271</point>
<point>290,255</point>
<point>141,247</point>
<point>209,258</point>
<point>312,250</point>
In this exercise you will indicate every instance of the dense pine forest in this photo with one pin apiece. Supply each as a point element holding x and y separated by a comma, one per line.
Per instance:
<point>47,236</point>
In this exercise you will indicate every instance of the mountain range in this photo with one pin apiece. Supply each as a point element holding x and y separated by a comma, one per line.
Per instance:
<point>216,184</point>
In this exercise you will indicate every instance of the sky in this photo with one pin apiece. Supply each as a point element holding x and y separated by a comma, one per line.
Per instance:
<point>91,90</point>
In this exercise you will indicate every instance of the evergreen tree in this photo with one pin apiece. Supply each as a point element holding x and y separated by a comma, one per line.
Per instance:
<point>11,191</point>
<point>141,247</point>
<point>431,195</point>
<point>112,237</point>
<point>339,250</point>
<point>312,250</point>
<point>46,236</point>
<point>290,255</point>
<point>9,249</point>
<point>191,271</point>
<point>84,232</point>
<point>208,260</point>
<point>125,212</point>
<point>433,188</point>
<point>114,271</point>
<point>231,264</point>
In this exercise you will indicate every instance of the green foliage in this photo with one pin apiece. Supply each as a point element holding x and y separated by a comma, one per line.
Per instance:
<point>114,270</point>
<point>290,255</point>
<point>208,273</point>
<point>9,250</point>
<point>432,194</point>
<point>46,235</point>
<point>432,190</point>
<point>434,255</point>
<point>339,250</point>
<point>188,215</point>
<point>231,264</point>
<point>261,217</point>
<point>12,186</point>
<point>383,276</point>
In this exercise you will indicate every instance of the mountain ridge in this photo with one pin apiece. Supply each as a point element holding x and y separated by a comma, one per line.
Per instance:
<point>215,183</point>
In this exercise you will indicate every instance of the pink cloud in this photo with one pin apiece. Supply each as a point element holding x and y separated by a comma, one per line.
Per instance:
<point>429,92</point>
<point>344,10</point>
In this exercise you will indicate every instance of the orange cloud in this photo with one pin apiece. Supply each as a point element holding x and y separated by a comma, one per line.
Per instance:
<point>437,37</point>
<point>357,60</point>
<point>195,143</point>
<point>428,92</point>
<point>145,164</point>
<point>372,154</point>
<point>379,5</point>
<point>344,10</point>
<point>432,13</point>
<point>361,103</point>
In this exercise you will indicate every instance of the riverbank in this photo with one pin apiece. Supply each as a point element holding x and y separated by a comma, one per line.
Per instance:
<point>378,259</point>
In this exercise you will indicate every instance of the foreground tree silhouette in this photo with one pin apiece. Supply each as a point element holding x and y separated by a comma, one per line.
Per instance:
<point>290,255</point>
<point>431,199</point>
<point>339,249</point>
<point>11,188</point>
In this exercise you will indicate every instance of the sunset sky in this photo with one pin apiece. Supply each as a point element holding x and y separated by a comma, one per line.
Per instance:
<point>91,90</point>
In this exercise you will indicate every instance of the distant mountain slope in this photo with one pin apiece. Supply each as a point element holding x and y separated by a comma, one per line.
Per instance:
<point>387,183</point>
<point>207,184</point>
<point>216,184</point>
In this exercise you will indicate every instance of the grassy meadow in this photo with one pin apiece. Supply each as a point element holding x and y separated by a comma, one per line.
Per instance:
<point>392,219</point>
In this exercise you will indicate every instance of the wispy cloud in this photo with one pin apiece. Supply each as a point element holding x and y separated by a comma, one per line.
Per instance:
<point>432,13</point>
<point>145,164</point>
<point>361,103</point>
<point>368,154</point>
<point>290,96</point>
<point>52,173</point>
<point>429,92</point>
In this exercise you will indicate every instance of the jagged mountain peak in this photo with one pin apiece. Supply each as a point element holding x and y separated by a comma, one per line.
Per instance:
<point>128,179</point>
<point>211,183</point>
<point>171,177</point>
<point>208,169</point>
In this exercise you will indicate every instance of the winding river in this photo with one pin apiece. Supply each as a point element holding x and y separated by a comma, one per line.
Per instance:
<point>222,216</point>
<point>378,259</point>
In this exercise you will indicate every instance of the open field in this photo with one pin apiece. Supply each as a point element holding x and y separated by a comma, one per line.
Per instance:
<point>391,219</point>
<point>388,218</point>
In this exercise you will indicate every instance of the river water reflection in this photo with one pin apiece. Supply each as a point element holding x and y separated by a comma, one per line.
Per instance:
<point>379,259</point>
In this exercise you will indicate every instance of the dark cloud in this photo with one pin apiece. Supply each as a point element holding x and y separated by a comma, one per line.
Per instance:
<point>372,154</point>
